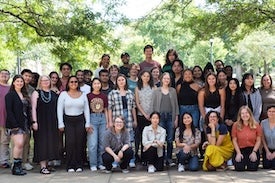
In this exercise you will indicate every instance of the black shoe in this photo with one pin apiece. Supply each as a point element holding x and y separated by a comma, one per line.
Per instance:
<point>16,170</point>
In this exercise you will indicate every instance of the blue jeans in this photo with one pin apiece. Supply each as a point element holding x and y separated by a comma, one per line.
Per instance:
<point>193,110</point>
<point>95,139</point>
<point>193,161</point>
<point>167,123</point>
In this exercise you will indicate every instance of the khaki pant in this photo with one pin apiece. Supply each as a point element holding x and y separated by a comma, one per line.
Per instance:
<point>4,146</point>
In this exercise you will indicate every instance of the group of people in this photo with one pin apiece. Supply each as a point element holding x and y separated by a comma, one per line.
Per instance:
<point>138,113</point>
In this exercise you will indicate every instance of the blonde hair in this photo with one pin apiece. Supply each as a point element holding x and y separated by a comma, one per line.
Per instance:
<point>251,122</point>
<point>39,82</point>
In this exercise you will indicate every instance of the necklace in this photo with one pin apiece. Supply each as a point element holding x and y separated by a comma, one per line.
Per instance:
<point>44,98</point>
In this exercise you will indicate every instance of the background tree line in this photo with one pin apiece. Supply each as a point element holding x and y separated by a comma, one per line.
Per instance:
<point>50,32</point>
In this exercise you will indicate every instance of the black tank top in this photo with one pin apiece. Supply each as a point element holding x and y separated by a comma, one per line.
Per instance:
<point>187,95</point>
<point>213,100</point>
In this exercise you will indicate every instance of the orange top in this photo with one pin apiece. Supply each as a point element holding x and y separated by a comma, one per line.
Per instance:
<point>246,137</point>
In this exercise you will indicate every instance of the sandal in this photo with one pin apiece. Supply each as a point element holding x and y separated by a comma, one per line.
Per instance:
<point>44,170</point>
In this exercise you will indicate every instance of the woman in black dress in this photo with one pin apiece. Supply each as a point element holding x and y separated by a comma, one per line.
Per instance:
<point>44,124</point>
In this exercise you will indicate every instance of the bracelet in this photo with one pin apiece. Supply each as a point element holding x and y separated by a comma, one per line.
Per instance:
<point>254,151</point>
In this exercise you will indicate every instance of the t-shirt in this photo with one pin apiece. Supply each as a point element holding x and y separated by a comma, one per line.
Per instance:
<point>246,137</point>
<point>85,89</point>
<point>98,102</point>
<point>148,65</point>
<point>221,128</point>
<point>3,91</point>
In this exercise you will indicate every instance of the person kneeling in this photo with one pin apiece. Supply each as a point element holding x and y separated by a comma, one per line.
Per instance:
<point>117,146</point>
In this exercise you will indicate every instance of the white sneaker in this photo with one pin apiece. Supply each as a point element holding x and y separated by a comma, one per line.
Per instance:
<point>108,171</point>
<point>93,168</point>
<point>79,170</point>
<point>151,169</point>
<point>132,165</point>
<point>70,170</point>
<point>230,162</point>
<point>101,167</point>
<point>115,164</point>
<point>27,166</point>
<point>125,171</point>
<point>181,168</point>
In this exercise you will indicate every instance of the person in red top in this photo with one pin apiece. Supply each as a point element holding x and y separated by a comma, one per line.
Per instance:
<point>246,137</point>
<point>148,63</point>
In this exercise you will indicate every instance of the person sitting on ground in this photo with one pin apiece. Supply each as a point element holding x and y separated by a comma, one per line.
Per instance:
<point>117,146</point>
<point>219,147</point>
<point>187,139</point>
<point>246,137</point>
<point>153,139</point>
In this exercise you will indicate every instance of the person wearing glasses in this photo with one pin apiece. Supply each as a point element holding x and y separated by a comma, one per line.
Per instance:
<point>73,117</point>
<point>117,146</point>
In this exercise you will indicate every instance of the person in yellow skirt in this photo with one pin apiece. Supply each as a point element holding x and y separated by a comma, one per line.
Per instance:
<point>219,147</point>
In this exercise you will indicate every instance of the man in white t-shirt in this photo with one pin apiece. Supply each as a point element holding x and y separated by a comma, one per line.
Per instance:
<point>83,87</point>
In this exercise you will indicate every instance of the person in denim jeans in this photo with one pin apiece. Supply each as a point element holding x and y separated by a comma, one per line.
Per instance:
<point>98,103</point>
<point>165,102</point>
<point>188,96</point>
<point>187,139</point>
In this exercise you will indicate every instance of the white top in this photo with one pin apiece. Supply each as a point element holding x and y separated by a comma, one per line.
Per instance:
<point>85,89</point>
<point>72,107</point>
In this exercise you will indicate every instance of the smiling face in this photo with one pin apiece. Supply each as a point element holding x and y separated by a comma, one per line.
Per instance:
<point>155,73</point>
<point>121,82</point>
<point>4,76</point>
<point>96,85</point>
<point>211,80</point>
<point>154,120</point>
<point>249,81</point>
<point>213,118</point>
<point>45,82</point>
<point>176,67</point>
<point>165,81</point>
<point>245,115</point>
<point>197,73</point>
<point>187,119</point>
<point>54,78</point>
<point>105,62</point>
<point>222,77</point>
<point>266,82</point>
<point>118,124</point>
<point>187,76</point>
<point>145,77</point>
<point>18,84</point>
<point>232,85</point>
<point>73,83</point>
<point>271,113</point>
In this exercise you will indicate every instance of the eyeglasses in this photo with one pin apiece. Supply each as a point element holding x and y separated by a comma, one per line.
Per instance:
<point>119,122</point>
<point>44,80</point>
<point>73,81</point>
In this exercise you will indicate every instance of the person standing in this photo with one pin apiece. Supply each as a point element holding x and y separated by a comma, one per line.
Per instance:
<point>4,138</point>
<point>103,64</point>
<point>121,102</point>
<point>44,117</point>
<point>148,63</point>
<point>84,88</point>
<point>65,69</point>
<point>124,69</point>
<point>27,76</point>
<point>98,103</point>
<point>18,120</point>
<point>165,102</point>
<point>73,118</point>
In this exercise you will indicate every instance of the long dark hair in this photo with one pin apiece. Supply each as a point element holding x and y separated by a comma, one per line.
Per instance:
<point>58,83</point>
<point>245,76</point>
<point>229,93</point>
<point>182,127</point>
<point>126,82</point>
<point>199,67</point>
<point>206,86</point>
<point>140,82</point>
<point>23,89</point>
<point>174,52</point>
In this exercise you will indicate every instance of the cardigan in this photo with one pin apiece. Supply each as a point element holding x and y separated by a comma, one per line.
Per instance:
<point>156,101</point>
<point>15,114</point>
